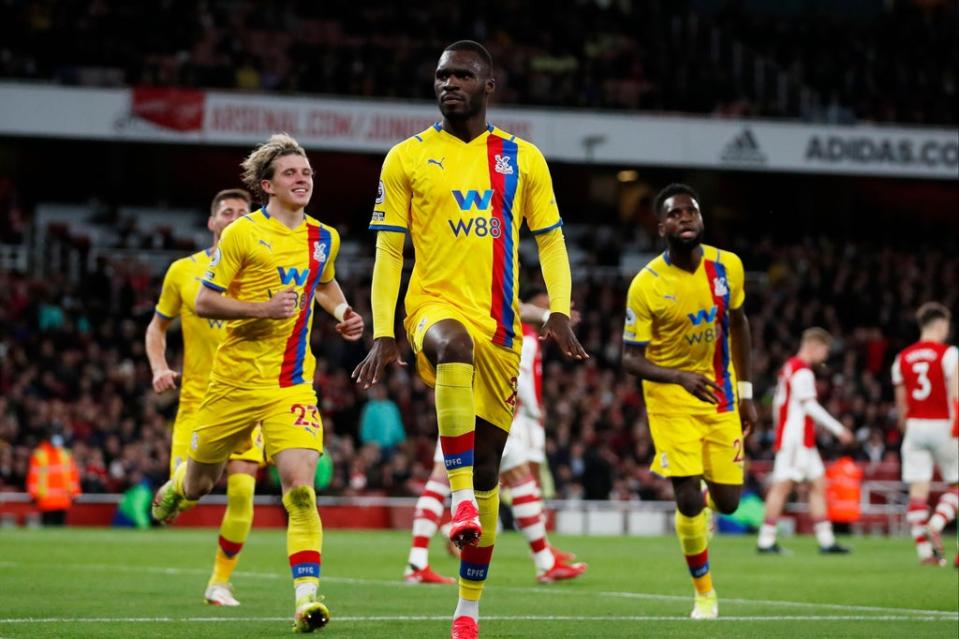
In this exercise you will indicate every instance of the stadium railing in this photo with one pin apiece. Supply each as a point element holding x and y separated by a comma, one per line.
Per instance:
<point>579,517</point>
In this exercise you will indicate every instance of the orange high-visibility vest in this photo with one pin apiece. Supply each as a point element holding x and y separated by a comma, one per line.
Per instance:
<point>843,490</point>
<point>52,480</point>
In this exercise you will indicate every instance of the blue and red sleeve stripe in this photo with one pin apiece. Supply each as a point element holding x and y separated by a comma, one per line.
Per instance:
<point>727,400</point>
<point>291,370</point>
<point>504,193</point>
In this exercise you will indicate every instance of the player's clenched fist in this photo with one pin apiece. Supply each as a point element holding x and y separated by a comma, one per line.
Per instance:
<point>351,328</point>
<point>281,306</point>
<point>164,380</point>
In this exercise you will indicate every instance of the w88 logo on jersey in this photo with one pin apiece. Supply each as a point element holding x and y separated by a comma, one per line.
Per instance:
<point>478,226</point>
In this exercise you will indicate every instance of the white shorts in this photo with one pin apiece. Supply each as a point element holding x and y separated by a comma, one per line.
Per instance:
<point>928,442</point>
<point>797,463</point>
<point>531,431</point>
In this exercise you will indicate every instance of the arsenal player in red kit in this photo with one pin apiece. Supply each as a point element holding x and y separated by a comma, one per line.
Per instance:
<point>927,386</point>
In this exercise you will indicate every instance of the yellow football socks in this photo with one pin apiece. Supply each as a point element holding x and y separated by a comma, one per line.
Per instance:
<point>692,538</point>
<point>475,560</point>
<point>235,527</point>
<point>304,539</point>
<point>456,418</point>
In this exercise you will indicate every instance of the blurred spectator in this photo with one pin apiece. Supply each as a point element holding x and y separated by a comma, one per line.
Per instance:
<point>837,62</point>
<point>380,421</point>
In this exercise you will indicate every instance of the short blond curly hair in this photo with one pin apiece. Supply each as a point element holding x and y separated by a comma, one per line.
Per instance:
<point>258,165</point>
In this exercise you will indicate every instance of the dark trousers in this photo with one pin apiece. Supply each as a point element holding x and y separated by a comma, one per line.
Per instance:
<point>54,517</point>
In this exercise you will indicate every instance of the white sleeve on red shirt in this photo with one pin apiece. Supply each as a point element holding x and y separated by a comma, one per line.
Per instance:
<point>803,384</point>
<point>821,416</point>
<point>896,372</point>
<point>949,359</point>
<point>526,384</point>
<point>804,390</point>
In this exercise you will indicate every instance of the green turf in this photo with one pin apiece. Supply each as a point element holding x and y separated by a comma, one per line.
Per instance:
<point>150,584</point>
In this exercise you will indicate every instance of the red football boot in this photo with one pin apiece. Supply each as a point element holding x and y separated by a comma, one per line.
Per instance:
<point>465,529</point>
<point>464,628</point>
<point>563,557</point>
<point>425,575</point>
<point>561,571</point>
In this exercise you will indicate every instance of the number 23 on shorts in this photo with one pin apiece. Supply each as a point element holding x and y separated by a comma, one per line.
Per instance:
<point>307,417</point>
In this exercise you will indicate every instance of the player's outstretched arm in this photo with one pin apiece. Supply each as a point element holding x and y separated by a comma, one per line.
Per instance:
<point>387,272</point>
<point>554,262</point>
<point>330,297</point>
<point>699,386</point>
<point>822,417</point>
<point>213,305</point>
<point>742,360</point>
<point>164,379</point>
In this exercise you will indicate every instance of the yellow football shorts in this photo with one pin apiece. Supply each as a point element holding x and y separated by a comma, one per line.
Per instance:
<point>183,431</point>
<point>495,368</point>
<point>228,417</point>
<point>691,445</point>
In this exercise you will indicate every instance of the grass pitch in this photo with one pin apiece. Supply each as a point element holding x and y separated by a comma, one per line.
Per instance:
<point>131,584</point>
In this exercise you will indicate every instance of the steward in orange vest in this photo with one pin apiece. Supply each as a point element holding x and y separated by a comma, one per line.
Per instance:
<point>52,480</point>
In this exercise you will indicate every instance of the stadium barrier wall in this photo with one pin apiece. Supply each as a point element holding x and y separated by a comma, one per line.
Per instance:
<point>593,518</point>
<point>192,116</point>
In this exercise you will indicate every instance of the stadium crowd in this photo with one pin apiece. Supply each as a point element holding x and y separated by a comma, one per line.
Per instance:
<point>72,358</point>
<point>854,61</point>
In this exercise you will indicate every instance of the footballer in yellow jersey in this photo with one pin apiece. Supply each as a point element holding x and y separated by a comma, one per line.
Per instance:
<point>201,337</point>
<point>257,257</point>
<point>463,204</point>
<point>682,319</point>
<point>461,190</point>
<point>687,338</point>
<point>268,270</point>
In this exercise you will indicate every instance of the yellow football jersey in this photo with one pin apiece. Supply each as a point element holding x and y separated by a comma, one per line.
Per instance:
<point>201,336</point>
<point>683,320</point>
<point>463,204</point>
<point>257,257</point>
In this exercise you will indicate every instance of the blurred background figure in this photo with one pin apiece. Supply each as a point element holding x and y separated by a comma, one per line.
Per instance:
<point>381,422</point>
<point>52,480</point>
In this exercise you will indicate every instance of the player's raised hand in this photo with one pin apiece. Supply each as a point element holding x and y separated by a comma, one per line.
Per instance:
<point>846,437</point>
<point>699,386</point>
<point>748,415</point>
<point>385,351</point>
<point>282,305</point>
<point>351,328</point>
<point>165,380</point>
<point>558,329</point>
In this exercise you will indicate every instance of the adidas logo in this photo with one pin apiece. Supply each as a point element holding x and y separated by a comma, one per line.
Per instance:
<point>743,149</point>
